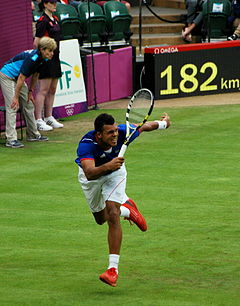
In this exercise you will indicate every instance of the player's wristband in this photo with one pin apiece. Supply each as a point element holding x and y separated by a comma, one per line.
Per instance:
<point>162,125</point>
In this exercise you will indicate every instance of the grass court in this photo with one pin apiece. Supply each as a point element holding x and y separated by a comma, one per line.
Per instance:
<point>185,181</point>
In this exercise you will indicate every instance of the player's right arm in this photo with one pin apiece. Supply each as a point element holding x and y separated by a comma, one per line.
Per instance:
<point>92,172</point>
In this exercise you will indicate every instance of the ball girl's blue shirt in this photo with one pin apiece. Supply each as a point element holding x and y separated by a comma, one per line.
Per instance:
<point>26,62</point>
<point>88,148</point>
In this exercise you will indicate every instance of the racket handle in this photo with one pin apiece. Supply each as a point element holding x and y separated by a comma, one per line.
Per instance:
<point>122,151</point>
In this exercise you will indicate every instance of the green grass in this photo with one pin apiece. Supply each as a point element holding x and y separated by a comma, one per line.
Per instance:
<point>186,182</point>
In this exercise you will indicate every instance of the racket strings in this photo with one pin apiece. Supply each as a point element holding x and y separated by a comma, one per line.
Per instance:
<point>137,115</point>
<point>138,111</point>
<point>139,108</point>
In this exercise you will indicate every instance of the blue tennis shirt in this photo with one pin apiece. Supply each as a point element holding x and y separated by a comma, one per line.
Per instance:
<point>88,148</point>
<point>26,62</point>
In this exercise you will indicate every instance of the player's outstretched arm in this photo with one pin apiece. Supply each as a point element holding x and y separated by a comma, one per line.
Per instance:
<point>164,123</point>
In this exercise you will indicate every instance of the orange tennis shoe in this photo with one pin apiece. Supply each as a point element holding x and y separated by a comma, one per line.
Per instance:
<point>135,215</point>
<point>110,277</point>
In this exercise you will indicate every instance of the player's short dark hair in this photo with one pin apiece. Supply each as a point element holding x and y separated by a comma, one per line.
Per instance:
<point>101,120</point>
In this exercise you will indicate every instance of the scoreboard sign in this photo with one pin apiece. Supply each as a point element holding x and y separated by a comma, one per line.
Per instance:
<point>191,70</point>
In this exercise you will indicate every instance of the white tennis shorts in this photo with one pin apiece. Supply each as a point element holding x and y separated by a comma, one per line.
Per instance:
<point>109,187</point>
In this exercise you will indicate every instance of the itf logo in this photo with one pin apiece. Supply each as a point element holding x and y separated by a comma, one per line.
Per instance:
<point>68,73</point>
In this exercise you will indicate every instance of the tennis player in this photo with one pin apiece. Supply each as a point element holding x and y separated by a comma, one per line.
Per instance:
<point>102,175</point>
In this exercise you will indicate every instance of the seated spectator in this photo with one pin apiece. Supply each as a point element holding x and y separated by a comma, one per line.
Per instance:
<point>128,5</point>
<point>74,3</point>
<point>234,20</point>
<point>194,18</point>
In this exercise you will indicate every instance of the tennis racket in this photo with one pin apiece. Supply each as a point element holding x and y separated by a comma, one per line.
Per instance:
<point>138,111</point>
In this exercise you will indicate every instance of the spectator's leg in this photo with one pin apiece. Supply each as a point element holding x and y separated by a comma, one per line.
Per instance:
<point>236,25</point>
<point>44,86</point>
<point>28,112</point>
<point>48,104</point>
<point>8,91</point>
<point>191,6</point>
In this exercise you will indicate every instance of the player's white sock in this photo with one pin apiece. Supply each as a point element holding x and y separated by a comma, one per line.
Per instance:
<point>113,261</point>
<point>124,211</point>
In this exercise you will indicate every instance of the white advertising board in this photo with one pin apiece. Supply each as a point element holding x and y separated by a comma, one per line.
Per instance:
<point>71,87</point>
